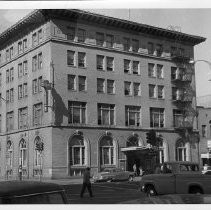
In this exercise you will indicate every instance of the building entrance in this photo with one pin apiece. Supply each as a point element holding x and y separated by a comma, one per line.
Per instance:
<point>143,158</point>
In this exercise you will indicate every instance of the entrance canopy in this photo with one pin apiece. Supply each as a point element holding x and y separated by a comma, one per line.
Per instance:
<point>137,150</point>
<point>206,155</point>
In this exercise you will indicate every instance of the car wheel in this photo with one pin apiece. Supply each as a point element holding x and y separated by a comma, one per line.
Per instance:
<point>151,191</point>
<point>195,190</point>
<point>130,179</point>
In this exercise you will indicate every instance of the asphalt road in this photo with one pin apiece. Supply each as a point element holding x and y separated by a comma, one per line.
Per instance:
<point>105,193</point>
<point>127,193</point>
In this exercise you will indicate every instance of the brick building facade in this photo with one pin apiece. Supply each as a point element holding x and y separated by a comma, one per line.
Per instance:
<point>90,87</point>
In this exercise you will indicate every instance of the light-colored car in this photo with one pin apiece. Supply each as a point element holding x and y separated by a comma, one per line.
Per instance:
<point>31,192</point>
<point>113,174</point>
<point>207,170</point>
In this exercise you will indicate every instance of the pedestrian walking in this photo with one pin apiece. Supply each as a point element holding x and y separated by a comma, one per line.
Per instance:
<point>134,169</point>
<point>140,171</point>
<point>86,183</point>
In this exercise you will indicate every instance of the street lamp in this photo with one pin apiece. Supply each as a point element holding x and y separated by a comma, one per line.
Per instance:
<point>201,60</point>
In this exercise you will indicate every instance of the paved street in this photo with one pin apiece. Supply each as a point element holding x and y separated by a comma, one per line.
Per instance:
<point>127,193</point>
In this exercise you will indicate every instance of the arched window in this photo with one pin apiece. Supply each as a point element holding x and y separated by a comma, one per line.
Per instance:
<point>78,151</point>
<point>37,156</point>
<point>107,151</point>
<point>161,151</point>
<point>23,153</point>
<point>9,155</point>
<point>181,151</point>
<point>132,142</point>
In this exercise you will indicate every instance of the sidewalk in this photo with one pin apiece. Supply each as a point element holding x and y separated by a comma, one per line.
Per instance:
<point>76,181</point>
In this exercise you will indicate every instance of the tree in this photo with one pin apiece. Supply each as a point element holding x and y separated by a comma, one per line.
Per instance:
<point>152,138</point>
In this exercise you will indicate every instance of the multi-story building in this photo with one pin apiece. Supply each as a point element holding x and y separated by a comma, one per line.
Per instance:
<point>204,127</point>
<point>89,87</point>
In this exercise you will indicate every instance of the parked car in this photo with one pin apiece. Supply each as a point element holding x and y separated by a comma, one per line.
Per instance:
<point>177,177</point>
<point>207,170</point>
<point>113,174</point>
<point>31,192</point>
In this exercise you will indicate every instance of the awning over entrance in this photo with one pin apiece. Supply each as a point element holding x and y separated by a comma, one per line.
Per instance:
<point>128,149</point>
<point>206,155</point>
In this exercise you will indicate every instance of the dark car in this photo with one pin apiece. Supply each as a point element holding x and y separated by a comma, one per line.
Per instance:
<point>31,192</point>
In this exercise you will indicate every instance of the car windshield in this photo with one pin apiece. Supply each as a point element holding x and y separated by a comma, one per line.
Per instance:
<point>185,167</point>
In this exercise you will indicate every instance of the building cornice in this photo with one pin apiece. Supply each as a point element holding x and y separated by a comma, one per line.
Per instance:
<point>38,16</point>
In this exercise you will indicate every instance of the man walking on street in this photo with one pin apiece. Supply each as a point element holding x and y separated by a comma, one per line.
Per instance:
<point>86,183</point>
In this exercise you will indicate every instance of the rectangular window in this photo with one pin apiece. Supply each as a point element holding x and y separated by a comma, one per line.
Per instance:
<point>10,121</point>
<point>40,36</point>
<point>20,70</point>
<point>127,88</point>
<point>177,118</point>
<point>40,59</point>
<point>110,86</point>
<point>99,39</point>
<point>11,74</point>
<point>135,67</point>
<point>159,49</point>
<point>20,91</point>
<point>11,52</point>
<point>156,117</point>
<point>173,51</point>
<point>152,93</point>
<point>25,68</point>
<point>159,71</point>
<point>81,59</point>
<point>71,82</point>
<point>7,55</point>
<point>23,118</point>
<point>37,114</point>
<point>150,48</point>
<point>126,44</point>
<point>81,83</point>
<point>20,47</point>
<point>100,62</point>
<point>7,76</point>
<point>135,45</point>
<point>25,90</point>
<point>160,92</point>
<point>34,63</point>
<point>204,131</point>
<point>24,45</point>
<point>110,63</point>
<point>70,58</point>
<point>70,33</point>
<point>136,89</point>
<point>126,66</point>
<point>34,39</point>
<point>106,114</point>
<point>77,112</point>
<point>173,73</point>
<point>100,85</point>
<point>151,69</point>
<point>81,35</point>
<point>34,86</point>
<point>109,41</point>
<point>132,115</point>
<point>39,84</point>
<point>11,95</point>
<point>8,96</point>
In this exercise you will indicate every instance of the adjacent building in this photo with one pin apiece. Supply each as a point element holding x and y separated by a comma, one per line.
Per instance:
<point>88,88</point>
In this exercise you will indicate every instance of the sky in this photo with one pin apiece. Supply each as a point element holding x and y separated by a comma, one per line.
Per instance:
<point>192,20</point>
